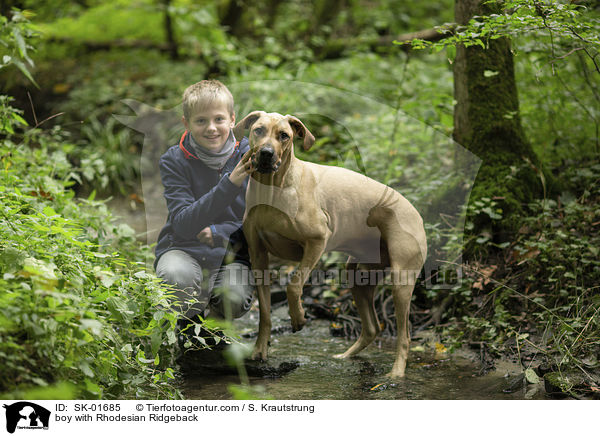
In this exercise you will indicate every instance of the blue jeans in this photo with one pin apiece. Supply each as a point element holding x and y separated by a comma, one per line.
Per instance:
<point>227,293</point>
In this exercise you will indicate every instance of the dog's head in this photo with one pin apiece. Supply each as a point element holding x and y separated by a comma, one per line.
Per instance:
<point>271,138</point>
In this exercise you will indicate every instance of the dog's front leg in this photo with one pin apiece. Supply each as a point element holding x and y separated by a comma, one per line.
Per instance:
<point>261,346</point>
<point>259,259</point>
<point>313,249</point>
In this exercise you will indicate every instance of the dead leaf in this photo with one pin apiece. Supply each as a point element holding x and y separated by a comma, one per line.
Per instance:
<point>61,88</point>
<point>440,348</point>
<point>136,198</point>
<point>376,386</point>
<point>485,277</point>
<point>530,254</point>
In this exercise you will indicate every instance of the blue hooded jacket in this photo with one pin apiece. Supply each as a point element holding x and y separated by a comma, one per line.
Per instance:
<point>197,197</point>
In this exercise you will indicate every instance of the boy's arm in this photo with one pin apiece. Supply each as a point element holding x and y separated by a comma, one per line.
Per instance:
<point>222,231</point>
<point>190,216</point>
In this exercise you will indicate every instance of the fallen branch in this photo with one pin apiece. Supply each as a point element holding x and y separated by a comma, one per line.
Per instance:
<point>116,43</point>
<point>335,48</point>
<point>433,35</point>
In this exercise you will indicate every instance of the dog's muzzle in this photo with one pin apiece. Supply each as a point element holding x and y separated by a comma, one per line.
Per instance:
<point>266,161</point>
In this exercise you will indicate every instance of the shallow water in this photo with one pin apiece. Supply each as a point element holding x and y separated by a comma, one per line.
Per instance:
<point>429,375</point>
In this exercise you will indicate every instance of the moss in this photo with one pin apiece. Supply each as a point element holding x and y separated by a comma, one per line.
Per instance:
<point>492,130</point>
<point>558,383</point>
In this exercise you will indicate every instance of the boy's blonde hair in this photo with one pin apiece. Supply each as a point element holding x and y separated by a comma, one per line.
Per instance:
<point>206,93</point>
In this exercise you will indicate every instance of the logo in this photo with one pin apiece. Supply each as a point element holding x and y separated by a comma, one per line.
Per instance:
<point>26,415</point>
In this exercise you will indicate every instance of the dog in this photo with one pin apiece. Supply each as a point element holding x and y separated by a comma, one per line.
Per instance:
<point>297,210</point>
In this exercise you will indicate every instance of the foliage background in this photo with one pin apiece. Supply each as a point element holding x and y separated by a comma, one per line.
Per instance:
<point>73,287</point>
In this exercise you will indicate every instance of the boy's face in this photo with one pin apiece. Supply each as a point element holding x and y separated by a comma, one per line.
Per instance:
<point>210,126</point>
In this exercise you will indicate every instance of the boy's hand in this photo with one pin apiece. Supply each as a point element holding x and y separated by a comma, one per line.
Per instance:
<point>205,236</point>
<point>242,170</point>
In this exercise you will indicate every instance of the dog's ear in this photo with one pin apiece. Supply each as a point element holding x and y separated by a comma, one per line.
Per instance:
<point>241,127</point>
<point>301,130</point>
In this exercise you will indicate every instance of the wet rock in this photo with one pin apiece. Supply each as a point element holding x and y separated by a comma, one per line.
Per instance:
<point>205,361</point>
<point>321,311</point>
<point>267,370</point>
<point>515,383</point>
<point>277,330</point>
<point>543,369</point>
<point>278,295</point>
<point>562,384</point>
<point>213,362</point>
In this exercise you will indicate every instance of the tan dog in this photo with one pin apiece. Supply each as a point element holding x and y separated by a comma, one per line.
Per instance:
<point>298,210</point>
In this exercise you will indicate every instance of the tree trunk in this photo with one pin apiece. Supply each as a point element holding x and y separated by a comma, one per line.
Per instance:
<point>231,17</point>
<point>7,5</point>
<point>487,123</point>
<point>326,10</point>
<point>272,7</point>
<point>169,32</point>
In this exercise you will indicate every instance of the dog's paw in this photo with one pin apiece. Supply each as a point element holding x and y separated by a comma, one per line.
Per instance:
<point>395,374</point>
<point>260,355</point>
<point>298,324</point>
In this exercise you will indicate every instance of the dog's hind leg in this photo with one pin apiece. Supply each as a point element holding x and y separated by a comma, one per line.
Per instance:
<point>364,296</point>
<point>402,295</point>
<point>403,276</point>
<point>407,249</point>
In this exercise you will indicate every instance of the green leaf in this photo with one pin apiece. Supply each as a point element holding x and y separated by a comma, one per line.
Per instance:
<point>171,337</point>
<point>48,211</point>
<point>92,387</point>
<point>531,376</point>
<point>85,368</point>
<point>451,53</point>
<point>21,66</point>
<point>93,325</point>
<point>22,47</point>
<point>40,272</point>
<point>329,294</point>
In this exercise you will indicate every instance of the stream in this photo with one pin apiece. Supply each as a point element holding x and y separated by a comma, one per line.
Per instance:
<point>310,373</point>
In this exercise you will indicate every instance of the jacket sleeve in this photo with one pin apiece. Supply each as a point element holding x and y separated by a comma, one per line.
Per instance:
<point>189,216</point>
<point>222,231</point>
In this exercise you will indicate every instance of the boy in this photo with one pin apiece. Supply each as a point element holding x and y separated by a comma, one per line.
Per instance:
<point>205,179</point>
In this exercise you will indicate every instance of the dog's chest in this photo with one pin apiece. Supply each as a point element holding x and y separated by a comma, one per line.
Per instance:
<point>284,199</point>
<point>281,246</point>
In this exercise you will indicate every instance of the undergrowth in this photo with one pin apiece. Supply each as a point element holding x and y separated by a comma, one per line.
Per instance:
<point>540,292</point>
<point>79,316</point>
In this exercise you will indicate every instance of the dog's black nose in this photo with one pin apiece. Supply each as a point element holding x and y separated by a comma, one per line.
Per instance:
<point>266,154</point>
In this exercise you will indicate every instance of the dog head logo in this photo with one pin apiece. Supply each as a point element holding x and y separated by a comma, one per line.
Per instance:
<point>26,415</point>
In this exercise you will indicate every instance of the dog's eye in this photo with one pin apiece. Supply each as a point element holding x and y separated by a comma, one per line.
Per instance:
<point>259,131</point>
<point>284,136</point>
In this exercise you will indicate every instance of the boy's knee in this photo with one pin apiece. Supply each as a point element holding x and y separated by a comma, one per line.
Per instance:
<point>185,275</point>
<point>232,292</point>
<point>180,277</point>
<point>230,302</point>
<point>179,269</point>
